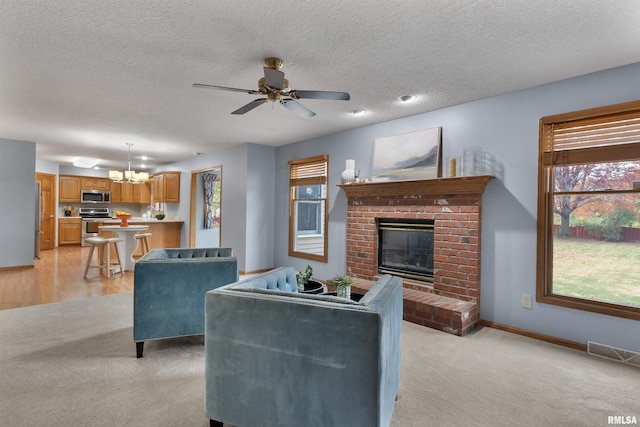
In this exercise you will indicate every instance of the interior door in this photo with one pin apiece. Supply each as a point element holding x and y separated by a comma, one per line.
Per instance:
<point>48,206</point>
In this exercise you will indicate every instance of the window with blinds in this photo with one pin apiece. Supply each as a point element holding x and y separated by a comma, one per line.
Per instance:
<point>601,134</point>
<point>308,208</point>
<point>589,210</point>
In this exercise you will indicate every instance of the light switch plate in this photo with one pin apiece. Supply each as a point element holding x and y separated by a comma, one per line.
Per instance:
<point>526,301</point>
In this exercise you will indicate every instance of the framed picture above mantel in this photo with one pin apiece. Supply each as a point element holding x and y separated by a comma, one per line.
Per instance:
<point>408,156</point>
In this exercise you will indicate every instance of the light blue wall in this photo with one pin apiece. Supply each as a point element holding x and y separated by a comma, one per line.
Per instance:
<point>260,207</point>
<point>18,201</point>
<point>247,213</point>
<point>47,167</point>
<point>506,126</point>
<point>234,187</point>
<point>72,170</point>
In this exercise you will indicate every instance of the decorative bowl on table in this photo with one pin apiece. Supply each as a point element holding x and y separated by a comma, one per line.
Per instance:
<point>124,218</point>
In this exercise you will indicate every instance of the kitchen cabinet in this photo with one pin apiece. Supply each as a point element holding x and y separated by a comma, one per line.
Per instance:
<point>157,188</point>
<point>123,192</point>
<point>69,189</point>
<point>143,195</point>
<point>127,192</point>
<point>71,186</point>
<point>116,192</point>
<point>69,231</point>
<point>163,235</point>
<point>166,187</point>
<point>92,183</point>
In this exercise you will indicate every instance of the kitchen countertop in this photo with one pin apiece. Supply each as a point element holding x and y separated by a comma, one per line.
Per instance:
<point>140,220</point>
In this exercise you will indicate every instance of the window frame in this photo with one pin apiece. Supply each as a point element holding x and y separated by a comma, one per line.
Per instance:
<point>592,152</point>
<point>309,171</point>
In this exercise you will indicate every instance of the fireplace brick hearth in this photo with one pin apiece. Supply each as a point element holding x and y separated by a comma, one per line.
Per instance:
<point>452,302</point>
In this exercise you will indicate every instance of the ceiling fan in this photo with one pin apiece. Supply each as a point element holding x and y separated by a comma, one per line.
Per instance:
<point>277,89</point>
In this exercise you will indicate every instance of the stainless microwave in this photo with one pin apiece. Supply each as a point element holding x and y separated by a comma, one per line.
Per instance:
<point>95,196</point>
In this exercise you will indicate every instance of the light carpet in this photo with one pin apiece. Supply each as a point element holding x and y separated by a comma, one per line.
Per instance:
<point>73,364</point>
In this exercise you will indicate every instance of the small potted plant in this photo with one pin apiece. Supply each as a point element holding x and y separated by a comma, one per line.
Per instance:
<point>306,284</point>
<point>160,215</point>
<point>343,285</point>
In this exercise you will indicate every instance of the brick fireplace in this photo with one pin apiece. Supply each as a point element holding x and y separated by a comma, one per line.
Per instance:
<point>452,302</point>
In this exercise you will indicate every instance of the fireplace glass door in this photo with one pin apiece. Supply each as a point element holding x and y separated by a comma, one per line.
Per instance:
<point>405,248</point>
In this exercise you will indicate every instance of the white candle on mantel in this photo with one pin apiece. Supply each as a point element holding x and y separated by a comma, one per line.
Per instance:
<point>351,165</point>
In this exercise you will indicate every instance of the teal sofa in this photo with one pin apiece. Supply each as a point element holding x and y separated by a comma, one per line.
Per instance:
<point>169,286</point>
<point>276,357</point>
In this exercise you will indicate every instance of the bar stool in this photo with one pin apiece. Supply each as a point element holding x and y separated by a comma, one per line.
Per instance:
<point>105,252</point>
<point>142,241</point>
<point>117,262</point>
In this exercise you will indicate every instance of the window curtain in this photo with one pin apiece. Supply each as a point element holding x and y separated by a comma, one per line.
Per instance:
<point>209,186</point>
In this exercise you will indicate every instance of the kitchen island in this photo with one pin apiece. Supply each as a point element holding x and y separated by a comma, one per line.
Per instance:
<point>164,233</point>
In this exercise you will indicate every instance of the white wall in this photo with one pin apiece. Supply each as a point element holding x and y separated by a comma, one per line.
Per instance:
<point>18,202</point>
<point>506,126</point>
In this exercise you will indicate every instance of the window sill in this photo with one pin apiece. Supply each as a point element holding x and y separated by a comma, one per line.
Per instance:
<point>592,306</point>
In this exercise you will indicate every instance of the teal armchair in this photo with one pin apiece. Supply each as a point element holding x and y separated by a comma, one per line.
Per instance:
<point>169,290</point>
<point>276,357</point>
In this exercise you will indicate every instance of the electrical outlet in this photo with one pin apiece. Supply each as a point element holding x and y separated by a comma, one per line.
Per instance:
<point>526,301</point>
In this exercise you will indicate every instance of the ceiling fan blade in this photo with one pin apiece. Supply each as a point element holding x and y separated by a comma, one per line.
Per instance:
<point>274,78</point>
<point>297,108</point>
<point>319,94</point>
<point>233,89</point>
<point>250,106</point>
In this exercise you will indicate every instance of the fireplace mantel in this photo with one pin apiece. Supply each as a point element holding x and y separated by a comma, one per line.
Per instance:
<point>421,187</point>
<point>454,205</point>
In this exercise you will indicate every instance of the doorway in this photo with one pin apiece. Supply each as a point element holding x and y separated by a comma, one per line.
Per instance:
<point>48,205</point>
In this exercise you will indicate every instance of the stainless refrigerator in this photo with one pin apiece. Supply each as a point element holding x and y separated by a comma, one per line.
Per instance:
<point>38,216</point>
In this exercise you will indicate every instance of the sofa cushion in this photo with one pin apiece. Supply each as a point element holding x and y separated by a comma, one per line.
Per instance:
<point>312,298</point>
<point>155,254</point>
<point>186,253</point>
<point>214,252</point>
<point>281,279</point>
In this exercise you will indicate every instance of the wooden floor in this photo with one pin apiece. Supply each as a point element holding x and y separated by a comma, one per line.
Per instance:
<point>58,276</point>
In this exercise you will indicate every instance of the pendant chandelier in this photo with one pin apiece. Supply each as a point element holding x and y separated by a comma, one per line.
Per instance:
<point>129,176</point>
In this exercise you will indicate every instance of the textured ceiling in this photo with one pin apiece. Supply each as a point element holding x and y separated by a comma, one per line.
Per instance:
<point>83,78</point>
